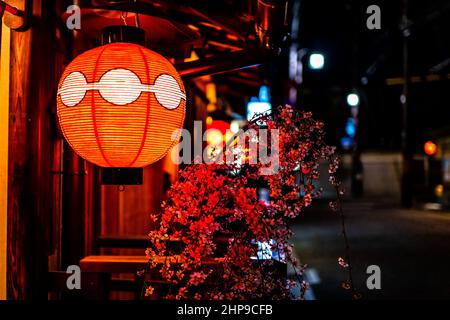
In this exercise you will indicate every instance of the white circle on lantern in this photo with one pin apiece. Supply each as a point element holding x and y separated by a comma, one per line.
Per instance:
<point>167,91</point>
<point>73,89</point>
<point>120,86</point>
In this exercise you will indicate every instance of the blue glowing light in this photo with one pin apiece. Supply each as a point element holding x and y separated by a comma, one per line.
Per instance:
<point>264,94</point>
<point>346,143</point>
<point>259,105</point>
<point>350,128</point>
<point>255,108</point>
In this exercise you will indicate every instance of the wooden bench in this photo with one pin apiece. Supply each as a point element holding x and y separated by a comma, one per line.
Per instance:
<point>113,264</point>
<point>97,271</point>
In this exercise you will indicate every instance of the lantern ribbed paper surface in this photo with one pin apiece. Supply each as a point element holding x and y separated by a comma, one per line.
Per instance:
<point>120,105</point>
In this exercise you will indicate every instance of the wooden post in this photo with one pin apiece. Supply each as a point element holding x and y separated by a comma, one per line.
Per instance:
<point>32,135</point>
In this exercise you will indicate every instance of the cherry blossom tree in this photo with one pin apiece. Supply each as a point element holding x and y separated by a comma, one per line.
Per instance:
<point>220,200</point>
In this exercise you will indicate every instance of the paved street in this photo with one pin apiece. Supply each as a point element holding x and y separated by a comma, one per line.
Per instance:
<point>412,248</point>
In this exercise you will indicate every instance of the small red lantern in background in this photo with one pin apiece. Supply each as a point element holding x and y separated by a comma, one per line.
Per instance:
<point>217,131</point>
<point>219,125</point>
<point>120,104</point>
<point>430,148</point>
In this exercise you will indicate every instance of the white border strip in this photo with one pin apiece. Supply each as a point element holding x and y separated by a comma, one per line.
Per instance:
<point>4,127</point>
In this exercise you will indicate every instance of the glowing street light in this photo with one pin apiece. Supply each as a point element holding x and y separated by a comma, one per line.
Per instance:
<point>353,100</point>
<point>316,61</point>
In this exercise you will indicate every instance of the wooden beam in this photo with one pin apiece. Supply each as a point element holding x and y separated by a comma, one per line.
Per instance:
<point>223,62</point>
<point>4,120</point>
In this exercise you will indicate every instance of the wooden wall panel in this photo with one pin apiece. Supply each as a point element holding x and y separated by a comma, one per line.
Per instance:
<point>127,212</point>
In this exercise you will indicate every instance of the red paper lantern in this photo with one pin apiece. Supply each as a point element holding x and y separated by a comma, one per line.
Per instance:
<point>217,134</point>
<point>120,104</point>
<point>430,148</point>
<point>220,125</point>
